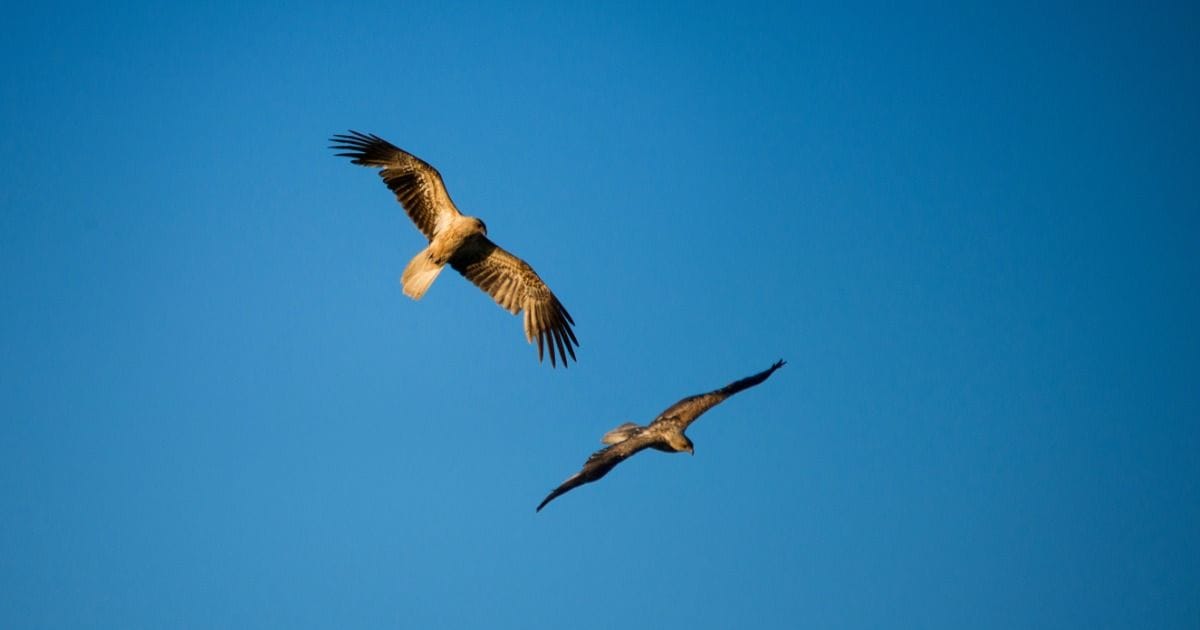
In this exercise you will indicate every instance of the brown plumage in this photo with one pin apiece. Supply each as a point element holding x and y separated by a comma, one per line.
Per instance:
<point>462,242</point>
<point>665,433</point>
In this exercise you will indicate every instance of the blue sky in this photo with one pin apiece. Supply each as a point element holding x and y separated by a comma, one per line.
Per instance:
<point>972,232</point>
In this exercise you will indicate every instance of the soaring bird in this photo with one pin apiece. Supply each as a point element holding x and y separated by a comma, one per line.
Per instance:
<point>462,242</point>
<point>665,433</point>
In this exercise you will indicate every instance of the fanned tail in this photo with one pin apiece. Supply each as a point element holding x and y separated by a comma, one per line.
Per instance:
<point>419,274</point>
<point>621,433</point>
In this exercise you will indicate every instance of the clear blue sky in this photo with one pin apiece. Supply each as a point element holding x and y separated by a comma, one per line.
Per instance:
<point>973,233</point>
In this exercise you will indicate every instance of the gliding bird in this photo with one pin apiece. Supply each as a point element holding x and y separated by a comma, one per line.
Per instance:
<point>665,433</point>
<point>462,242</point>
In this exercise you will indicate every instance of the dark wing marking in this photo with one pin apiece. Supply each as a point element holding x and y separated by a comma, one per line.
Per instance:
<point>417,186</point>
<point>515,286</point>
<point>599,464</point>
<point>685,412</point>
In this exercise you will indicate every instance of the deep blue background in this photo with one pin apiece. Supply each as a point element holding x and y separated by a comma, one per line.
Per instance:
<point>972,232</point>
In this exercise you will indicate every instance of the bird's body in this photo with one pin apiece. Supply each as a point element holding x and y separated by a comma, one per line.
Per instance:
<point>461,241</point>
<point>665,433</point>
<point>453,239</point>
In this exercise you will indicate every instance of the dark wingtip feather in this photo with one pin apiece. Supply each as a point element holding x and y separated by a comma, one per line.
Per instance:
<point>569,348</point>
<point>562,309</point>
<point>567,328</point>
<point>559,342</point>
<point>554,494</point>
<point>351,140</point>
<point>362,148</point>
<point>560,338</point>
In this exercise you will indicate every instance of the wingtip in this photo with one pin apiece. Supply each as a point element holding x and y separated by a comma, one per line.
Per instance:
<point>560,350</point>
<point>350,136</point>
<point>361,148</point>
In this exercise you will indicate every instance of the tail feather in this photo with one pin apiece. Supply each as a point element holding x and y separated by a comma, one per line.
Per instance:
<point>419,274</point>
<point>621,433</point>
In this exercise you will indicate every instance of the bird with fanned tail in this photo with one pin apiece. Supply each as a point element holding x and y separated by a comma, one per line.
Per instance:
<point>461,241</point>
<point>665,433</point>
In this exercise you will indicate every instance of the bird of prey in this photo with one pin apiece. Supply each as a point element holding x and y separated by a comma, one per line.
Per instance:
<point>462,242</point>
<point>665,433</point>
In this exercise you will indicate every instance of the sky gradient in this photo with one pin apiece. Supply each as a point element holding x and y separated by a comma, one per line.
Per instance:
<point>971,232</point>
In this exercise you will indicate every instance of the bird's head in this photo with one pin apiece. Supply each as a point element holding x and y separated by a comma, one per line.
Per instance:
<point>681,443</point>
<point>481,225</point>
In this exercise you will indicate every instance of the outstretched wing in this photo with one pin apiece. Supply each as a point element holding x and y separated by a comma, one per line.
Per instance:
<point>516,286</point>
<point>685,412</point>
<point>417,186</point>
<point>599,464</point>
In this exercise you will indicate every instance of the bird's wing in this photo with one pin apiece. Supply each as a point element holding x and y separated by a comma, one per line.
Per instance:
<point>515,286</point>
<point>685,412</point>
<point>417,186</point>
<point>599,464</point>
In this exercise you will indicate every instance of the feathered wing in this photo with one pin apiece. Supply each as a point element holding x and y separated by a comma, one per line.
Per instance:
<point>685,412</point>
<point>516,286</point>
<point>599,464</point>
<point>417,185</point>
